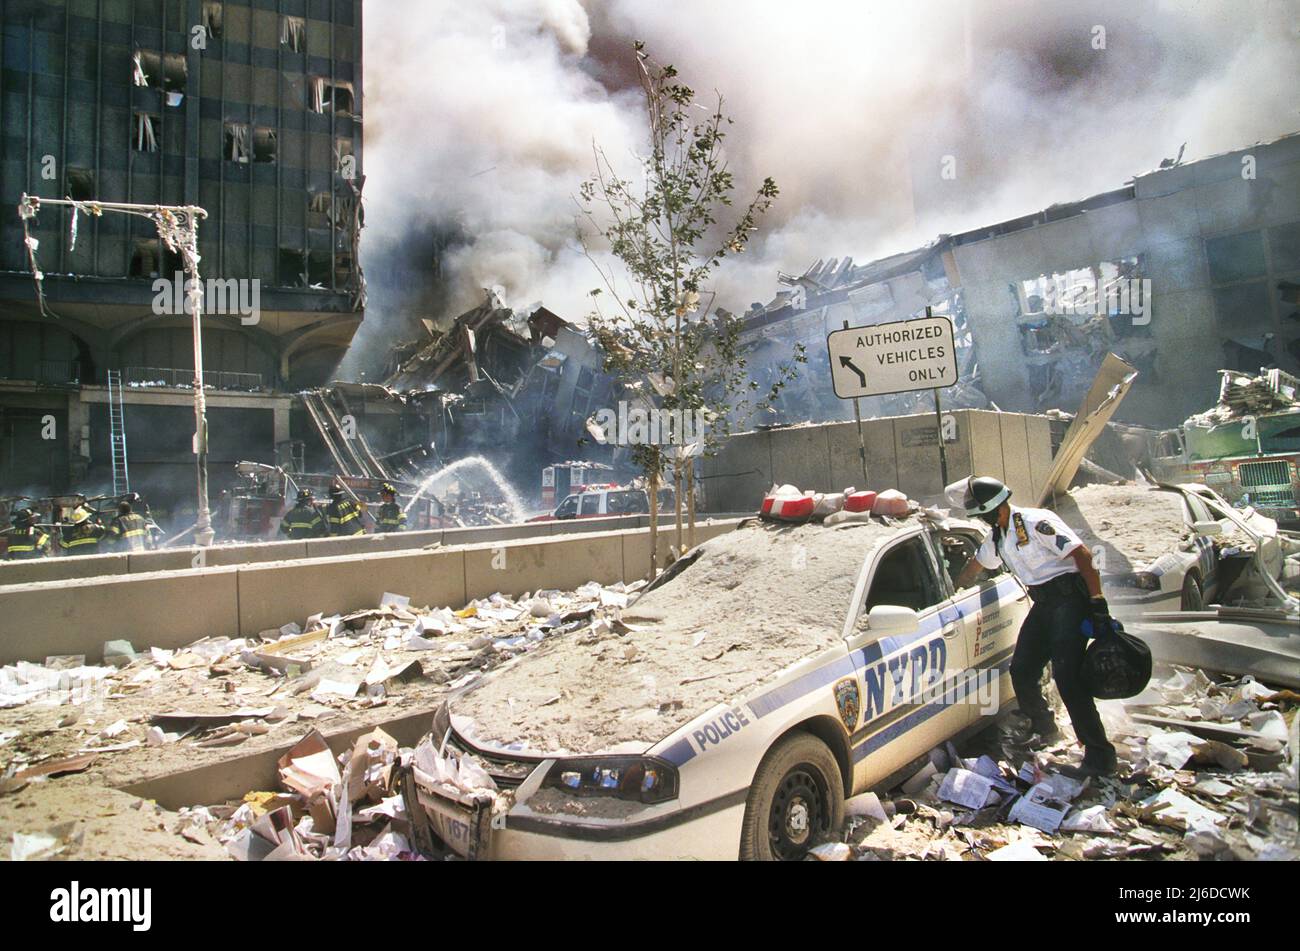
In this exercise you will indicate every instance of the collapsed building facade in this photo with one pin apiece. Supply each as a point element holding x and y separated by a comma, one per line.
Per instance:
<point>1217,239</point>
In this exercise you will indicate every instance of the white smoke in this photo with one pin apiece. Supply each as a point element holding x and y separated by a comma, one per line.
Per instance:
<point>481,117</point>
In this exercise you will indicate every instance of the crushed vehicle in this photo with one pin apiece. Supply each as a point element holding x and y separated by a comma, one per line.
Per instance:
<point>1164,548</point>
<point>765,677</point>
<point>1247,447</point>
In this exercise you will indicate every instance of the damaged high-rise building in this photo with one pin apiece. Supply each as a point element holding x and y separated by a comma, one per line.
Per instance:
<point>1185,270</point>
<point>249,109</point>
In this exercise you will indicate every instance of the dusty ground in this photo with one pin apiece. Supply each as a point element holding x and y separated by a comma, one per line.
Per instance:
<point>757,600</point>
<point>94,823</point>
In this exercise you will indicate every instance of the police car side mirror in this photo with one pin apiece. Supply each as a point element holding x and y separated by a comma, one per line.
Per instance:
<point>1207,529</point>
<point>892,620</point>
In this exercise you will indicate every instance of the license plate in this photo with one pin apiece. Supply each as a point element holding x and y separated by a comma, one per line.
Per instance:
<point>462,822</point>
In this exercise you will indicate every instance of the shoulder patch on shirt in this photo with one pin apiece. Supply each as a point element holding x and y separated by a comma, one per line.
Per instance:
<point>1022,534</point>
<point>1046,528</point>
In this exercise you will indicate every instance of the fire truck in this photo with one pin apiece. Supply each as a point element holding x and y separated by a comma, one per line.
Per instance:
<point>1251,459</point>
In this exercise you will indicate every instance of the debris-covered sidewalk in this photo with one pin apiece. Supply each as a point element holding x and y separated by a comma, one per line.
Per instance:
<point>145,713</point>
<point>1207,771</point>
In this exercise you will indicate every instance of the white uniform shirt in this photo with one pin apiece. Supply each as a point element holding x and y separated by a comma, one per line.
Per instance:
<point>1035,546</point>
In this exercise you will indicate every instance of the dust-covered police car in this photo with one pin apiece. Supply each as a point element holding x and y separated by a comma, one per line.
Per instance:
<point>766,676</point>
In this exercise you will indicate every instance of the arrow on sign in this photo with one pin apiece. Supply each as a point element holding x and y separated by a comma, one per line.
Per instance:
<point>848,363</point>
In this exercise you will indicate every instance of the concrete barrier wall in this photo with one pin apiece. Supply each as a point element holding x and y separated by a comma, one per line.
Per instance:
<point>902,452</point>
<point>179,559</point>
<point>170,609</point>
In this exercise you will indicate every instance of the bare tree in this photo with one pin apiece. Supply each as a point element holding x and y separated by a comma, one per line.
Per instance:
<point>664,231</point>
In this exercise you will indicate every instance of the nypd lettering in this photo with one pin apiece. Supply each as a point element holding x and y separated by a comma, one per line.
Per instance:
<point>903,677</point>
<point>719,728</point>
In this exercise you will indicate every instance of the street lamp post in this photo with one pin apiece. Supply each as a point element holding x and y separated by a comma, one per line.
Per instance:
<point>178,227</point>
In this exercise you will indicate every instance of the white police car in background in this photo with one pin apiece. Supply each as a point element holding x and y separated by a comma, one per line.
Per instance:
<point>873,661</point>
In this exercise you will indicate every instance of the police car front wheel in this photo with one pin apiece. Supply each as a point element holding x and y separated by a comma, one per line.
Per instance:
<point>795,801</point>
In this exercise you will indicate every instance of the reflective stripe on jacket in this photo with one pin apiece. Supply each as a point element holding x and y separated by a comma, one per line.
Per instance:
<point>303,521</point>
<point>391,518</point>
<point>32,543</point>
<point>344,518</point>
<point>131,532</point>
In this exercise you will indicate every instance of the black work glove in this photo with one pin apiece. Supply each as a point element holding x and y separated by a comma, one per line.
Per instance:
<point>1101,621</point>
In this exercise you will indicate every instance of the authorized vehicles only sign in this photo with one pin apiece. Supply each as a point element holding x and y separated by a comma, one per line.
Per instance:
<point>892,358</point>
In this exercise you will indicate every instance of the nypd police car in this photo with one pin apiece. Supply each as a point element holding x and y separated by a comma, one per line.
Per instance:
<point>770,674</point>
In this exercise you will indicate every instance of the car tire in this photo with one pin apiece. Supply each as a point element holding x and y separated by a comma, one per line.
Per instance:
<point>1193,598</point>
<point>795,801</point>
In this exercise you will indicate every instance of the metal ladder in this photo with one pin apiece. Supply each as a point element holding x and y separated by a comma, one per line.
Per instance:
<point>117,434</point>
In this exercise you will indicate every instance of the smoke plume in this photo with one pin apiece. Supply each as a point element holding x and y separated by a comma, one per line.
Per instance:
<point>480,121</point>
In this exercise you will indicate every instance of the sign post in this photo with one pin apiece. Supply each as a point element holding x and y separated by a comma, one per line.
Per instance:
<point>898,357</point>
<point>938,419</point>
<point>862,442</point>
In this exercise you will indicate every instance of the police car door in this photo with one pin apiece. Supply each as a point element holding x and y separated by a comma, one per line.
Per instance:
<point>901,677</point>
<point>990,615</point>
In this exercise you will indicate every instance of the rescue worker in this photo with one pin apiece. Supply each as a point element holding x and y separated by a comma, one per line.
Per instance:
<point>129,531</point>
<point>342,514</point>
<point>304,519</point>
<point>83,534</point>
<point>391,516</point>
<point>140,506</point>
<point>1049,559</point>
<point>25,539</point>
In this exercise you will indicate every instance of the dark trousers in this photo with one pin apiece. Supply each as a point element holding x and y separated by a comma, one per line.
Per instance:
<point>1053,632</point>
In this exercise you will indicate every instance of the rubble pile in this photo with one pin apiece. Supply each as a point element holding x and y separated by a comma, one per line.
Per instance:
<point>1208,770</point>
<point>1242,395</point>
<point>61,717</point>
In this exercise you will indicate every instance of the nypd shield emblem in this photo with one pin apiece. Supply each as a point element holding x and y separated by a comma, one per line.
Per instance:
<point>846,699</point>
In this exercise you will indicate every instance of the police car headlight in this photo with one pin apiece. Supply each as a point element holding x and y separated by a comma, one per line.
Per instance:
<point>636,778</point>
<point>1147,581</point>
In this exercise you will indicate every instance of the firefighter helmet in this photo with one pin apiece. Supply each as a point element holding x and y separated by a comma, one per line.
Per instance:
<point>336,489</point>
<point>23,517</point>
<point>304,495</point>
<point>387,489</point>
<point>81,515</point>
<point>985,495</point>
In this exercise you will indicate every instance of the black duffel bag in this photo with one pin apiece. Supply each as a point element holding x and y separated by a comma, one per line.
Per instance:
<point>1116,665</point>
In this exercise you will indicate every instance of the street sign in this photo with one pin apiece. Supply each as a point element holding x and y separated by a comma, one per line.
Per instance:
<point>892,358</point>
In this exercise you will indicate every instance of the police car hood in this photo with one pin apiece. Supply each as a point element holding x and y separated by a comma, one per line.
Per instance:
<point>1133,525</point>
<point>744,606</point>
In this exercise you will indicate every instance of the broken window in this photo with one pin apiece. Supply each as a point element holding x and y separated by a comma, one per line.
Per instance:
<point>150,259</point>
<point>331,96</point>
<point>1235,257</point>
<point>265,146</point>
<point>305,269</point>
<point>320,209</point>
<point>293,33</point>
<point>145,133</point>
<point>906,578</point>
<point>213,19</point>
<point>81,184</point>
<point>238,144</point>
<point>158,71</point>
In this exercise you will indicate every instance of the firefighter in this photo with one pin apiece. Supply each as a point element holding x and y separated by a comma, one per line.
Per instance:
<point>83,534</point>
<point>391,516</point>
<point>304,519</point>
<point>25,539</point>
<point>140,506</point>
<point>342,514</point>
<point>129,531</point>
<point>1049,559</point>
